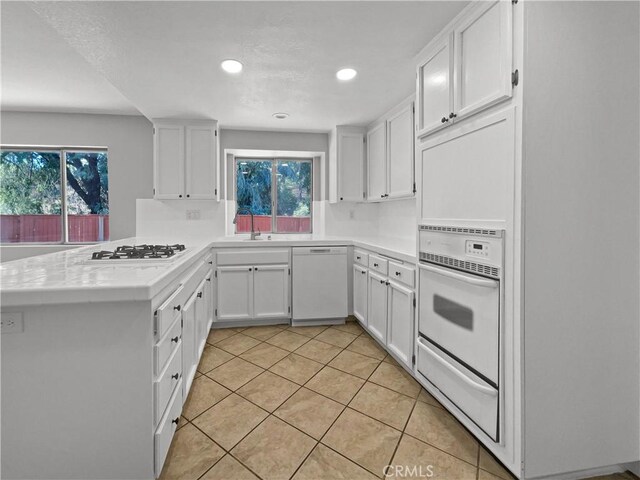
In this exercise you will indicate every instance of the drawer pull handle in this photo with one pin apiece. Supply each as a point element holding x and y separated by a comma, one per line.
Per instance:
<point>376,265</point>
<point>178,308</point>
<point>175,339</point>
<point>175,420</point>
<point>175,376</point>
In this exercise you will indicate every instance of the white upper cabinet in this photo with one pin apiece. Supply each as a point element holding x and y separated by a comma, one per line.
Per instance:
<point>400,154</point>
<point>390,155</point>
<point>467,68</point>
<point>434,89</point>
<point>482,58</point>
<point>185,157</point>
<point>168,161</point>
<point>201,162</point>
<point>377,162</point>
<point>346,160</point>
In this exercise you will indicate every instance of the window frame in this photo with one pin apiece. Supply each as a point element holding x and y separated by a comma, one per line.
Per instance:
<point>274,188</point>
<point>62,150</point>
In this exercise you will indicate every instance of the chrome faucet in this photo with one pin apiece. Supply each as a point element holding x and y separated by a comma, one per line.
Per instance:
<point>254,234</point>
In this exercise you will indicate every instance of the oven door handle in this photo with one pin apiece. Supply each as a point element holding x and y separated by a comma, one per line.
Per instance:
<point>475,385</point>
<point>472,279</point>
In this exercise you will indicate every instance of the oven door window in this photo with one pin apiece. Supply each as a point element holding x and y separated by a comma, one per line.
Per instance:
<point>453,312</point>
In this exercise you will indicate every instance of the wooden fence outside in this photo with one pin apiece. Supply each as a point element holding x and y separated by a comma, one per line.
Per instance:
<point>284,224</point>
<point>48,228</point>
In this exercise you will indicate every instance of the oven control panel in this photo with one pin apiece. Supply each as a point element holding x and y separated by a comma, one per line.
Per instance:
<point>477,248</point>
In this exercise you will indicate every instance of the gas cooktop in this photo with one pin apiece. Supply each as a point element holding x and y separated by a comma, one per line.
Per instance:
<point>139,252</point>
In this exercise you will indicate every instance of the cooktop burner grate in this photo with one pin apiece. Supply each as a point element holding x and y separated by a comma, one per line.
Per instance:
<point>126,252</point>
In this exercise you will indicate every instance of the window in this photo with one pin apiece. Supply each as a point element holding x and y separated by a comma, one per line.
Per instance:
<point>52,195</point>
<point>277,192</point>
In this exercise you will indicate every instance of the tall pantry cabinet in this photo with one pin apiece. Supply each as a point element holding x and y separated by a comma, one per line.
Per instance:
<point>527,120</point>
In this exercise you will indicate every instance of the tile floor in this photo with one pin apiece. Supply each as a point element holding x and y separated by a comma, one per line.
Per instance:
<point>313,403</point>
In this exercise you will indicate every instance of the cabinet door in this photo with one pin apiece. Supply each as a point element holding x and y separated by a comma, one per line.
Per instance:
<point>400,154</point>
<point>400,317</point>
<point>235,293</point>
<point>201,162</point>
<point>360,293</point>
<point>202,315</point>
<point>271,291</point>
<point>377,306</point>
<point>209,296</point>
<point>483,57</point>
<point>377,162</point>
<point>189,357</point>
<point>434,89</point>
<point>350,153</point>
<point>168,161</point>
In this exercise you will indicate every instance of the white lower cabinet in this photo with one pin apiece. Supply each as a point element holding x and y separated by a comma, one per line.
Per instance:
<point>235,293</point>
<point>400,319</point>
<point>252,292</point>
<point>271,291</point>
<point>188,342</point>
<point>360,293</point>
<point>377,306</point>
<point>384,302</point>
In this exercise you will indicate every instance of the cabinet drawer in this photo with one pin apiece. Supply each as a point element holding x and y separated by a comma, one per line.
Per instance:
<point>166,382</point>
<point>361,257</point>
<point>252,256</point>
<point>167,427</point>
<point>168,311</point>
<point>378,264</point>
<point>162,350</point>
<point>402,273</point>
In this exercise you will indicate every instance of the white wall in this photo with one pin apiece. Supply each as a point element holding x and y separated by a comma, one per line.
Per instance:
<point>581,216</point>
<point>128,138</point>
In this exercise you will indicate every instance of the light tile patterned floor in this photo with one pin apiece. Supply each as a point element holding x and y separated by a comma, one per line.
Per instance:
<point>315,403</point>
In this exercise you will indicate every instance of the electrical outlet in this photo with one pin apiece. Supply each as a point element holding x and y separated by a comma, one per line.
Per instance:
<point>11,323</point>
<point>193,214</point>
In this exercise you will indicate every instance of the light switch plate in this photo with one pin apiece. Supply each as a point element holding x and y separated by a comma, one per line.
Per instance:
<point>11,322</point>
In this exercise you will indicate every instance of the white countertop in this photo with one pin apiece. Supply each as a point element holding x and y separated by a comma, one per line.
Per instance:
<point>71,277</point>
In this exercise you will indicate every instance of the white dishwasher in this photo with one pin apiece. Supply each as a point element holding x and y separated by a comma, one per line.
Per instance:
<point>319,285</point>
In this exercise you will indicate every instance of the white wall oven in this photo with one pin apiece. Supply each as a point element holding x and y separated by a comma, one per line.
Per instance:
<point>459,341</point>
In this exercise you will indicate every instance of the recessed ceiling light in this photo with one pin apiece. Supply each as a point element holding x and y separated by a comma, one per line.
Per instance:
<point>346,74</point>
<point>231,66</point>
<point>280,115</point>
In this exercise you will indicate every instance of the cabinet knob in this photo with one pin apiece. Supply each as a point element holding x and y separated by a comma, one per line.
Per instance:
<point>381,281</point>
<point>388,283</point>
<point>341,198</point>
<point>175,339</point>
<point>175,420</point>
<point>175,376</point>
<point>444,120</point>
<point>363,272</point>
<point>199,294</point>
<point>188,195</point>
<point>211,262</point>
<point>452,115</point>
<point>179,196</point>
<point>250,269</point>
<point>376,265</point>
<point>208,279</point>
<point>178,308</point>
<point>397,274</point>
<point>382,196</point>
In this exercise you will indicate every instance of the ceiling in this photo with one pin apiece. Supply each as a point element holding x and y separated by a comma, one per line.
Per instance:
<point>163,58</point>
<point>42,72</point>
